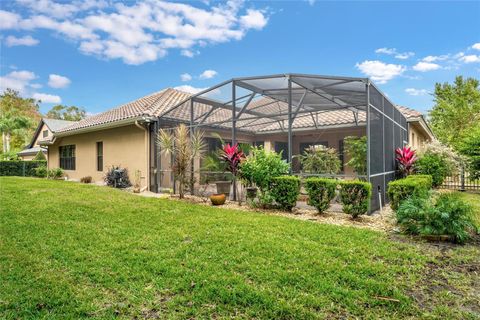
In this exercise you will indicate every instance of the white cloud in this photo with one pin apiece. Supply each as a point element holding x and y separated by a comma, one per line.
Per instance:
<point>17,80</point>
<point>189,89</point>
<point>47,98</point>
<point>8,20</point>
<point>138,32</point>
<point>395,53</point>
<point>253,19</point>
<point>436,58</point>
<point>476,46</point>
<point>470,58</point>
<point>185,77</point>
<point>208,74</point>
<point>416,92</point>
<point>379,71</point>
<point>189,53</point>
<point>426,66</point>
<point>58,81</point>
<point>11,41</point>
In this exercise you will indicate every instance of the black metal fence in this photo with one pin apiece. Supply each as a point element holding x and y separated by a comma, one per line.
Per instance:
<point>461,182</point>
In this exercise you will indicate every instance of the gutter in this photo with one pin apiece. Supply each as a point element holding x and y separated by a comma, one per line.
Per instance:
<point>104,126</point>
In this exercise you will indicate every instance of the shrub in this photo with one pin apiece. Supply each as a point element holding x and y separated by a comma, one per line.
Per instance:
<point>55,173</point>
<point>406,159</point>
<point>117,177</point>
<point>470,148</point>
<point>320,159</point>
<point>320,192</point>
<point>20,168</point>
<point>261,166</point>
<point>401,189</point>
<point>356,149</point>
<point>39,156</point>
<point>41,171</point>
<point>285,191</point>
<point>434,165</point>
<point>355,197</point>
<point>87,179</point>
<point>445,215</point>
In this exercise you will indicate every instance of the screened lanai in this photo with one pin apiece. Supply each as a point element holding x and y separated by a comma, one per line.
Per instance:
<point>296,107</point>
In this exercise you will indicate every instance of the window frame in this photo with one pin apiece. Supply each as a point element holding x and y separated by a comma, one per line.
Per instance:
<point>99,157</point>
<point>44,133</point>
<point>67,155</point>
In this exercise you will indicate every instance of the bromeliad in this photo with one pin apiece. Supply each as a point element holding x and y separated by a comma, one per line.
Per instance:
<point>406,159</point>
<point>232,155</point>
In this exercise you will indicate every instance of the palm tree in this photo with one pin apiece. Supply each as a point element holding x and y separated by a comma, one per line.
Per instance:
<point>184,147</point>
<point>9,123</point>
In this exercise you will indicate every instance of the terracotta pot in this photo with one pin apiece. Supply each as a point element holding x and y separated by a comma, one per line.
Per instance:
<point>218,199</point>
<point>223,187</point>
<point>251,192</point>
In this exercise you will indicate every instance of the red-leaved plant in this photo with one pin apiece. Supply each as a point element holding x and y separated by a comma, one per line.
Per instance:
<point>232,155</point>
<point>406,158</point>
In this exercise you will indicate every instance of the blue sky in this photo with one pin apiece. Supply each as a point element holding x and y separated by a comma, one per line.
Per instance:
<point>98,54</point>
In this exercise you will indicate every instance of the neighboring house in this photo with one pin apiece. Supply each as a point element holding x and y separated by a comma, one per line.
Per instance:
<point>125,136</point>
<point>419,133</point>
<point>45,130</point>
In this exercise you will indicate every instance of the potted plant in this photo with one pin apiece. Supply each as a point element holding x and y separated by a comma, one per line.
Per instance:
<point>137,179</point>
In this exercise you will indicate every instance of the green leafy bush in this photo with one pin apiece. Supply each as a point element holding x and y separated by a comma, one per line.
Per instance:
<point>434,165</point>
<point>39,156</point>
<point>401,189</point>
<point>20,168</point>
<point>320,159</point>
<point>355,196</point>
<point>356,149</point>
<point>320,192</point>
<point>446,214</point>
<point>285,191</point>
<point>41,171</point>
<point>55,173</point>
<point>261,166</point>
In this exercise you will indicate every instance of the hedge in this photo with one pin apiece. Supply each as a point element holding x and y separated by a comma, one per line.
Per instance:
<point>413,185</point>
<point>320,192</point>
<point>355,196</point>
<point>20,168</point>
<point>285,191</point>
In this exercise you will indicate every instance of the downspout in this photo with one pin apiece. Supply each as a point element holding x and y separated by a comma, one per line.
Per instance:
<point>147,173</point>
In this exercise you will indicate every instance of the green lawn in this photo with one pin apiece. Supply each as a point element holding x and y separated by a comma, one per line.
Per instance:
<point>69,250</point>
<point>474,200</point>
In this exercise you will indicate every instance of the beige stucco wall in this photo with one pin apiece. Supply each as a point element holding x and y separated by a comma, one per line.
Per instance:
<point>124,146</point>
<point>416,136</point>
<point>28,157</point>
<point>40,135</point>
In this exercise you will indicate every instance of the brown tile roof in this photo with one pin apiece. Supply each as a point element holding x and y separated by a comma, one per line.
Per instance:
<point>156,104</point>
<point>409,113</point>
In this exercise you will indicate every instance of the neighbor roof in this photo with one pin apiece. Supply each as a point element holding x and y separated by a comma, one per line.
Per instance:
<point>30,151</point>
<point>158,103</point>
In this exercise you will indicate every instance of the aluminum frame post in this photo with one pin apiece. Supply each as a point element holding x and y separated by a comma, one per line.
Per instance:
<point>234,134</point>
<point>367,87</point>
<point>290,138</point>
<point>192,165</point>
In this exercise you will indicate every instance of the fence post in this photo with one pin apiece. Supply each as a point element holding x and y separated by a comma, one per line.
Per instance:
<point>462,179</point>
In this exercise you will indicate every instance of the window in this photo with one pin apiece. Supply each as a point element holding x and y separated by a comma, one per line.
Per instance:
<point>45,133</point>
<point>341,151</point>
<point>282,147</point>
<point>67,157</point>
<point>100,156</point>
<point>413,140</point>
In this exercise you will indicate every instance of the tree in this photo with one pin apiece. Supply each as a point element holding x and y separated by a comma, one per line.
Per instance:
<point>17,118</point>
<point>62,112</point>
<point>356,149</point>
<point>456,110</point>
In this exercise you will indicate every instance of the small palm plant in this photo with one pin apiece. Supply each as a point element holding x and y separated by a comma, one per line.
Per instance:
<point>232,156</point>
<point>185,148</point>
<point>406,159</point>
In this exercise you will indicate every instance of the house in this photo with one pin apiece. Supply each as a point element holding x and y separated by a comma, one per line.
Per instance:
<point>45,130</point>
<point>283,112</point>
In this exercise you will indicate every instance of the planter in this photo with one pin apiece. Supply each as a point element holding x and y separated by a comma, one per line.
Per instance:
<point>251,192</point>
<point>218,199</point>
<point>223,187</point>
<point>136,189</point>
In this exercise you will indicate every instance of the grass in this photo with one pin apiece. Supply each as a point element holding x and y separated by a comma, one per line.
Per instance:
<point>70,251</point>
<point>474,200</point>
